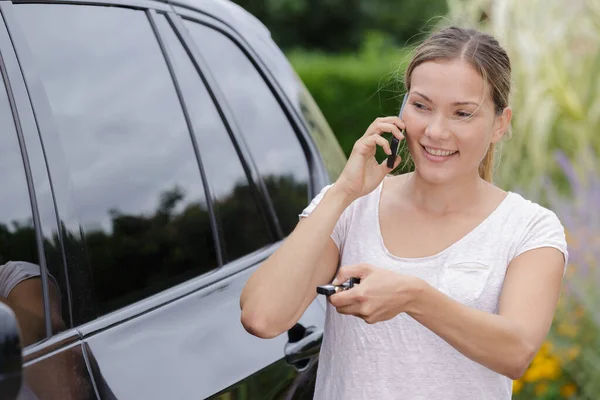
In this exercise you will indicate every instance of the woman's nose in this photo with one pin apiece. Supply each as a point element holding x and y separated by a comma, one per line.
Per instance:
<point>437,129</point>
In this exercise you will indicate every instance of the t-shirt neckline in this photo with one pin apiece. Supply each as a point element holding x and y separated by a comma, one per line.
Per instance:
<point>484,222</point>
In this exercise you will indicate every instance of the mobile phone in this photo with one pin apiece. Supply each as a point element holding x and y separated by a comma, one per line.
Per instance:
<point>395,144</point>
<point>328,290</point>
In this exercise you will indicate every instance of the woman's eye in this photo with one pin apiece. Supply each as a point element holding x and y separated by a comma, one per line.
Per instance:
<point>463,114</point>
<point>419,106</point>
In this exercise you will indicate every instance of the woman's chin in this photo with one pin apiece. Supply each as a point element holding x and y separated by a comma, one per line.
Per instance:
<point>435,176</point>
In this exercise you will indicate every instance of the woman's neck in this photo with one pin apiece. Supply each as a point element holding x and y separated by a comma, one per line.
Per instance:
<point>443,199</point>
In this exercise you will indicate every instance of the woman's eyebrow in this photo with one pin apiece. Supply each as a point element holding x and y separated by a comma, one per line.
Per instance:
<point>458,103</point>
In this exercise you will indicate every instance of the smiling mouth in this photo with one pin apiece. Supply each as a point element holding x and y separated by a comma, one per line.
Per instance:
<point>440,153</point>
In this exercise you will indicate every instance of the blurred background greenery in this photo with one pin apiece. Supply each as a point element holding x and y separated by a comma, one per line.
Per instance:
<point>351,54</point>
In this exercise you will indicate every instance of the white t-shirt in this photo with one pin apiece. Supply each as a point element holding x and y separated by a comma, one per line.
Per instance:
<point>400,358</point>
<point>14,272</point>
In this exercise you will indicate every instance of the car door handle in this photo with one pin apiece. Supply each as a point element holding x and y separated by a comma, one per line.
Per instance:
<point>299,352</point>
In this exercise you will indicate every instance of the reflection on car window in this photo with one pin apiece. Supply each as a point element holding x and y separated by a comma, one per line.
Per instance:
<point>267,131</point>
<point>324,138</point>
<point>20,282</point>
<point>134,172</point>
<point>244,229</point>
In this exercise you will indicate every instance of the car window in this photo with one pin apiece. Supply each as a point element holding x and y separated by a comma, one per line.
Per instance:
<point>20,282</point>
<point>331,152</point>
<point>271,139</point>
<point>244,228</point>
<point>133,169</point>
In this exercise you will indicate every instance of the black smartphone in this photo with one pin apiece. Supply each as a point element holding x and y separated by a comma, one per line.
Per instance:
<point>328,290</point>
<point>395,144</point>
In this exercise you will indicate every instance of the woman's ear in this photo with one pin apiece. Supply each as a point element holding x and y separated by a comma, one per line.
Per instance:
<point>501,124</point>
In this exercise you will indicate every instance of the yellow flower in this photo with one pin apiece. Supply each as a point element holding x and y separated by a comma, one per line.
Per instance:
<point>549,369</point>
<point>517,386</point>
<point>568,390</point>
<point>540,389</point>
<point>532,374</point>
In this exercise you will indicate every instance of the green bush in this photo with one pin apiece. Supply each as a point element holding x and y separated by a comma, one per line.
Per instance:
<point>354,89</point>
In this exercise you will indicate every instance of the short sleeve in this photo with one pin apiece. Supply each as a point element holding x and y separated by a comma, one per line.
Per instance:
<point>339,231</point>
<point>14,272</point>
<point>544,230</point>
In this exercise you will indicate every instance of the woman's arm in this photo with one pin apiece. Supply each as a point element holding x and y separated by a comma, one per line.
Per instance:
<point>27,302</point>
<point>278,293</point>
<point>281,289</point>
<point>505,342</point>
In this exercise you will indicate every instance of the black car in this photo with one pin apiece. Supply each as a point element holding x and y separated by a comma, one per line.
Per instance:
<point>152,154</point>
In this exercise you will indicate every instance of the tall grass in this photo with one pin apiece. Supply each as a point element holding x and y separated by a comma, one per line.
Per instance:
<point>554,46</point>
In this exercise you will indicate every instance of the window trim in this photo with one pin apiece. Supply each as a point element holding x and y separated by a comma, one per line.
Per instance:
<point>228,117</point>
<point>7,40</point>
<point>317,171</point>
<point>248,169</point>
<point>135,4</point>
<point>167,54</point>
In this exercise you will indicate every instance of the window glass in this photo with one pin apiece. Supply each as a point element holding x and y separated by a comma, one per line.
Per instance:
<point>20,282</point>
<point>332,154</point>
<point>244,229</point>
<point>267,131</point>
<point>134,173</point>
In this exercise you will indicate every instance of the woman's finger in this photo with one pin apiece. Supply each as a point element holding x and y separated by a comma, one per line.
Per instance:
<point>367,145</point>
<point>383,143</point>
<point>385,127</point>
<point>395,121</point>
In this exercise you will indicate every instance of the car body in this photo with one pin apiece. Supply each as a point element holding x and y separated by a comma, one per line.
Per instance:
<point>154,153</point>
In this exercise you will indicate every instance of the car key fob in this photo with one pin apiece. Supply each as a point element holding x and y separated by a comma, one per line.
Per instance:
<point>395,144</point>
<point>330,289</point>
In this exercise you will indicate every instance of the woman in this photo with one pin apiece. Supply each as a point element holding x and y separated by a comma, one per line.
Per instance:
<point>459,278</point>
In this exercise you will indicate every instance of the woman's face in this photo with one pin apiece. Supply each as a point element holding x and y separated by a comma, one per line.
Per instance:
<point>450,120</point>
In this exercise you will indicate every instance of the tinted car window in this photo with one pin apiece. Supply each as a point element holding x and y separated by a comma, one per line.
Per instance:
<point>133,168</point>
<point>18,250</point>
<point>244,229</point>
<point>267,131</point>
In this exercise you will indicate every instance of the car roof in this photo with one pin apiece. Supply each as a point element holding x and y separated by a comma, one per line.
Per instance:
<point>228,12</point>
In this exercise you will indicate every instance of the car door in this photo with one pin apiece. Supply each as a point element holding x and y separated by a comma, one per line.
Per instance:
<point>32,278</point>
<point>169,232</point>
<point>286,184</point>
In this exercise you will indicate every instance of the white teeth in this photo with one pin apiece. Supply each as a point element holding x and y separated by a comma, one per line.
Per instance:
<point>442,153</point>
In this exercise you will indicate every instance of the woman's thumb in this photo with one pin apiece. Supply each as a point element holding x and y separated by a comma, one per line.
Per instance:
<point>351,271</point>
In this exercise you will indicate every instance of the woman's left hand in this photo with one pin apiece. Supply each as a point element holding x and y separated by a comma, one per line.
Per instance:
<point>381,295</point>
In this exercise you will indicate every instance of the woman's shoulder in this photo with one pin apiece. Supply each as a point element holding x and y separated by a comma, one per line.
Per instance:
<point>14,272</point>
<point>530,214</point>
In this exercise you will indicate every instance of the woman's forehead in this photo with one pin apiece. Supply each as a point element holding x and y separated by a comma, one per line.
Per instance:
<point>448,81</point>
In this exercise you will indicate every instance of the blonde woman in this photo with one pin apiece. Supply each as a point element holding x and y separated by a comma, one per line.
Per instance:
<point>459,279</point>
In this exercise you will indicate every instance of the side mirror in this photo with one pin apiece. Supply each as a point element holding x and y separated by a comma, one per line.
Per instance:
<point>11,363</point>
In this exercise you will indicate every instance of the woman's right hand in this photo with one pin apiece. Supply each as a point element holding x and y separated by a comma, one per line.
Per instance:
<point>362,174</point>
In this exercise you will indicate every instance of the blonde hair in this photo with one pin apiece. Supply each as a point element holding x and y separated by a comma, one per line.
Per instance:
<point>485,54</point>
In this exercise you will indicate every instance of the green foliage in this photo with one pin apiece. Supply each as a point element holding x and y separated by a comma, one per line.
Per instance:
<point>405,21</point>
<point>339,25</point>
<point>330,25</point>
<point>354,89</point>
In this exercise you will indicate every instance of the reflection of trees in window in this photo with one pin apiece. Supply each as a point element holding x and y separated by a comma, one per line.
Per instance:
<point>144,254</point>
<point>17,243</point>
<point>289,199</point>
